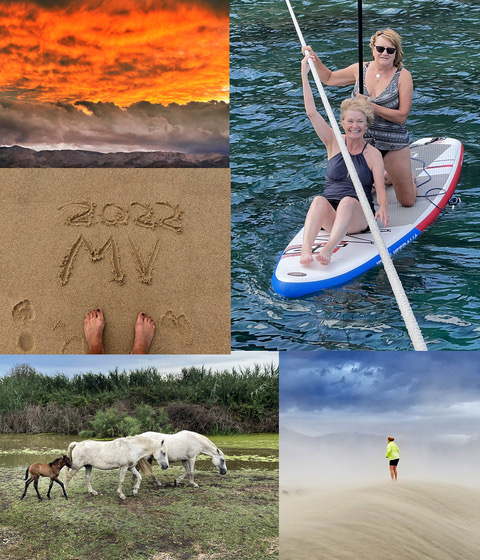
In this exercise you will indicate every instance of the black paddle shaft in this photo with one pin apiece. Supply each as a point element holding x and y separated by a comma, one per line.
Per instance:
<point>360,48</point>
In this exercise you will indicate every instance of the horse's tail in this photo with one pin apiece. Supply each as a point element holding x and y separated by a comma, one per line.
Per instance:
<point>26,473</point>
<point>70,451</point>
<point>144,467</point>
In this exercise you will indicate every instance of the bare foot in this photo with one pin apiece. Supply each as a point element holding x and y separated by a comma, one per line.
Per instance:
<point>325,256</point>
<point>144,331</point>
<point>306,257</point>
<point>93,326</point>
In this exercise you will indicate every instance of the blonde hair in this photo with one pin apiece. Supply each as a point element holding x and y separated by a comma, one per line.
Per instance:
<point>394,38</point>
<point>357,104</point>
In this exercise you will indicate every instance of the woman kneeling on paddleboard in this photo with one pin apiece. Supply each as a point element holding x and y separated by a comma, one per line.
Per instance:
<point>338,211</point>
<point>390,88</point>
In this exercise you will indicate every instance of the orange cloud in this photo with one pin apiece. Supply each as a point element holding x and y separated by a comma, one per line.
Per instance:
<point>121,51</point>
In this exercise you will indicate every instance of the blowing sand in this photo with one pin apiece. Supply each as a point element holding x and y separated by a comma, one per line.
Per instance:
<point>123,240</point>
<point>337,501</point>
<point>406,520</point>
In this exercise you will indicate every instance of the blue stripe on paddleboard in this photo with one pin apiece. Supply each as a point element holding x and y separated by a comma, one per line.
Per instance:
<point>297,289</point>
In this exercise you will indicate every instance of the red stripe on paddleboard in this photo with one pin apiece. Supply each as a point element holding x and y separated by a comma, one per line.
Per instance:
<point>441,205</point>
<point>286,253</point>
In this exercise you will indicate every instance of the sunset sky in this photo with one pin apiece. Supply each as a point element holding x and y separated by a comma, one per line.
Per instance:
<point>115,74</point>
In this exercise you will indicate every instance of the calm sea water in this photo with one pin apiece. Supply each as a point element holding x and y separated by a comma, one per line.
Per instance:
<point>278,165</point>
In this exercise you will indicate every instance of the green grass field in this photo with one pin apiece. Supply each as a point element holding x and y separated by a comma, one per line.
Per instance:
<point>231,517</point>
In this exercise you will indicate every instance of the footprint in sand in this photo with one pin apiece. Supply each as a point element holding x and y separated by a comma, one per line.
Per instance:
<point>71,344</point>
<point>74,345</point>
<point>175,332</point>
<point>26,342</point>
<point>23,311</point>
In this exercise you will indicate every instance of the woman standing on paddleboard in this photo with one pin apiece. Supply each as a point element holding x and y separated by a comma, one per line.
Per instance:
<point>389,87</point>
<point>339,211</point>
<point>393,455</point>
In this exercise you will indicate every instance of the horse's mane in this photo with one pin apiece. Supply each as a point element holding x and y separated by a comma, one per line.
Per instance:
<point>55,461</point>
<point>207,442</point>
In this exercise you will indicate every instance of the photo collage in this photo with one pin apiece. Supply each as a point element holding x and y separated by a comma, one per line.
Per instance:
<point>239,280</point>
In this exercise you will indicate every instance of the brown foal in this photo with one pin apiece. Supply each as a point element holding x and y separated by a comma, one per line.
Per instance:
<point>50,470</point>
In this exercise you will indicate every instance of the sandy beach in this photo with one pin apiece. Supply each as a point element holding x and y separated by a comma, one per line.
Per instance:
<point>123,240</point>
<point>411,520</point>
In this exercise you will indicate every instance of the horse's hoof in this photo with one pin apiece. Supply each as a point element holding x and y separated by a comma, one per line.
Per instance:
<point>122,496</point>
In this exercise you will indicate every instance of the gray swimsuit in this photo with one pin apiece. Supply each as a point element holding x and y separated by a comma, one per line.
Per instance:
<point>386,135</point>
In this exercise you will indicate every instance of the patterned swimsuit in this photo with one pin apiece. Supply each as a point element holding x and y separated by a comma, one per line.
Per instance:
<point>386,135</point>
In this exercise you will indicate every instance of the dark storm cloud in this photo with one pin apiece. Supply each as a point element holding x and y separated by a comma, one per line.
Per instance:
<point>48,4</point>
<point>377,381</point>
<point>191,128</point>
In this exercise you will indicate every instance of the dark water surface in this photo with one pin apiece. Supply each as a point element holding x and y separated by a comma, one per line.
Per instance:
<point>278,165</point>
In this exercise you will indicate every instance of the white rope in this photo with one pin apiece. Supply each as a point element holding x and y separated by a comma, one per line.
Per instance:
<point>402,300</point>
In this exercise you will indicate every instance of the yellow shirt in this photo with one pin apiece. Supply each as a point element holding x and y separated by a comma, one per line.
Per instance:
<point>392,451</point>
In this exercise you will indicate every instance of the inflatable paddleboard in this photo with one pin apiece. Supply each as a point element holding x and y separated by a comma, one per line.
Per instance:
<point>436,163</point>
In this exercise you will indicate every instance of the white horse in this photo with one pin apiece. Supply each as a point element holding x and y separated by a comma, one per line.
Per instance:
<point>186,446</point>
<point>122,453</point>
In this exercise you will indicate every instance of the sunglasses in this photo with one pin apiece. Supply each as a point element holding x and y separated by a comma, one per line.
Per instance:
<point>390,50</point>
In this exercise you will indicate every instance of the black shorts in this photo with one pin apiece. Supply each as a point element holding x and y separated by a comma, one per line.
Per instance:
<point>394,462</point>
<point>334,203</point>
<point>385,152</point>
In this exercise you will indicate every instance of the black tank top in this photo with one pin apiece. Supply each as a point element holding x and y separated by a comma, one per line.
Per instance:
<point>337,181</point>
